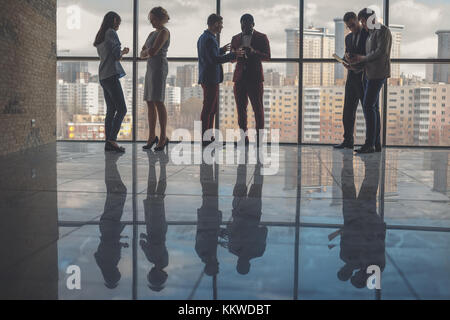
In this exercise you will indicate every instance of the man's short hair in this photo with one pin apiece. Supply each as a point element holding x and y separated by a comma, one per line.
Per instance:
<point>213,18</point>
<point>247,18</point>
<point>365,13</point>
<point>349,15</point>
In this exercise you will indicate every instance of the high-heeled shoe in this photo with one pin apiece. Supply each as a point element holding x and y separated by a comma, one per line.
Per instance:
<point>150,145</point>
<point>165,145</point>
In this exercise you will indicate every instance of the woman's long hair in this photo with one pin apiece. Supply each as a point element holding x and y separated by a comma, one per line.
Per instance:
<point>108,22</point>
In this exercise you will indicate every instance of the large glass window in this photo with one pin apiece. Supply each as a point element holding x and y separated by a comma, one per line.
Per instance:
<point>186,24</point>
<point>418,35</point>
<point>78,22</point>
<point>280,102</point>
<point>275,19</point>
<point>80,103</point>
<point>183,99</point>
<point>420,28</point>
<point>418,107</point>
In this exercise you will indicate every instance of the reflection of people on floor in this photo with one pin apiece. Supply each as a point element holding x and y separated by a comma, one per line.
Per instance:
<point>246,238</point>
<point>153,243</point>
<point>364,232</point>
<point>109,250</point>
<point>209,218</point>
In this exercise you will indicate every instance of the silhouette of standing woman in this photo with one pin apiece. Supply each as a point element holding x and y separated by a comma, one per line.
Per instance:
<point>110,71</point>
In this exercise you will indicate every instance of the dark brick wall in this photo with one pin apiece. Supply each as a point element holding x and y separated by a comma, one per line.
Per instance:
<point>27,74</point>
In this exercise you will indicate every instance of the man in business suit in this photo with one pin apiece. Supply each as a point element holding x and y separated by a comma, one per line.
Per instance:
<point>377,68</point>
<point>210,60</point>
<point>355,43</point>
<point>251,48</point>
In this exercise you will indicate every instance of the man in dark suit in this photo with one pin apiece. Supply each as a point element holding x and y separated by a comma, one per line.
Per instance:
<point>355,43</point>
<point>210,59</point>
<point>251,48</point>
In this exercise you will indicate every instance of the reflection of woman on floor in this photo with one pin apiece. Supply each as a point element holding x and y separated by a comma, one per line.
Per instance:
<point>364,232</point>
<point>154,242</point>
<point>109,250</point>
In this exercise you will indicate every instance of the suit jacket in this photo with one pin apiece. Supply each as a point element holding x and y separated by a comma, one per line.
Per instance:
<point>356,48</point>
<point>210,59</point>
<point>377,62</point>
<point>251,69</point>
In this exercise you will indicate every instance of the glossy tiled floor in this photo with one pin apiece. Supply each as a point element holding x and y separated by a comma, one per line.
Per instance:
<point>140,227</point>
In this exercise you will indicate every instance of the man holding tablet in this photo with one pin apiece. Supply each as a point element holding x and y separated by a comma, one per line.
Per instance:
<point>355,44</point>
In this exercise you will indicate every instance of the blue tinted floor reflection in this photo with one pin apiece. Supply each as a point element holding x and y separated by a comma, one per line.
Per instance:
<point>141,227</point>
<point>246,238</point>
<point>153,242</point>
<point>109,250</point>
<point>363,235</point>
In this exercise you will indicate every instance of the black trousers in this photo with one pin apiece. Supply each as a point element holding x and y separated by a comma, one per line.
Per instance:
<point>354,93</point>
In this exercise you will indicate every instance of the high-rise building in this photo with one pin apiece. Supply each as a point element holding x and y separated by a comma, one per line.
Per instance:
<point>442,71</point>
<point>429,72</point>
<point>339,47</point>
<point>173,99</point>
<point>311,115</point>
<point>396,31</point>
<point>292,51</point>
<point>317,43</point>
<point>187,75</point>
<point>71,71</point>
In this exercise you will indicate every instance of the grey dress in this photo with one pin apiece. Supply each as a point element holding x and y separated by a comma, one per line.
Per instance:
<point>157,69</point>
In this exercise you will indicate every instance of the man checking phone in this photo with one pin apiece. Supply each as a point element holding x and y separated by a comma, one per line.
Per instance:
<point>251,47</point>
<point>355,44</point>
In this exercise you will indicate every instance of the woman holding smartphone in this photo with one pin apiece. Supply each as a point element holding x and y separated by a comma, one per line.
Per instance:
<point>155,51</point>
<point>110,71</point>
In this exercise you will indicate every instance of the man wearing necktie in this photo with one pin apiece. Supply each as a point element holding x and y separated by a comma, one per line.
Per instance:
<point>251,48</point>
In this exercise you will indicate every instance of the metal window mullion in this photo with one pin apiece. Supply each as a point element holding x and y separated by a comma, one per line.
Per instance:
<point>385,90</point>
<point>135,61</point>
<point>300,74</point>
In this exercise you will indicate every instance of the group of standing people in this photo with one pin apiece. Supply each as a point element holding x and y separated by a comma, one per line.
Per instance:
<point>367,56</point>
<point>248,49</point>
<point>367,53</point>
<point>110,71</point>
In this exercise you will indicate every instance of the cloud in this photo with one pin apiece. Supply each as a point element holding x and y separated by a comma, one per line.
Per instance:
<point>188,20</point>
<point>421,21</point>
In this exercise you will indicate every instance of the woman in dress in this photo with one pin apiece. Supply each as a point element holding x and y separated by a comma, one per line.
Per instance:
<point>110,71</point>
<point>155,51</point>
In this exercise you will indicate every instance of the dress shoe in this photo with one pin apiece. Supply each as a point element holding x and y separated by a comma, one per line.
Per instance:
<point>366,149</point>
<point>110,147</point>
<point>344,145</point>
<point>150,145</point>
<point>378,148</point>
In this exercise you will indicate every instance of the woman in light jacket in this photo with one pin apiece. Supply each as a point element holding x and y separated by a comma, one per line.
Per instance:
<point>110,71</point>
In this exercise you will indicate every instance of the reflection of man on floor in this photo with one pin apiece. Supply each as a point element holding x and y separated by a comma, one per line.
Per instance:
<point>364,232</point>
<point>246,238</point>
<point>209,219</point>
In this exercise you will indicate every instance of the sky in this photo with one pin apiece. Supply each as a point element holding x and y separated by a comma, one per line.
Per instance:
<point>79,20</point>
